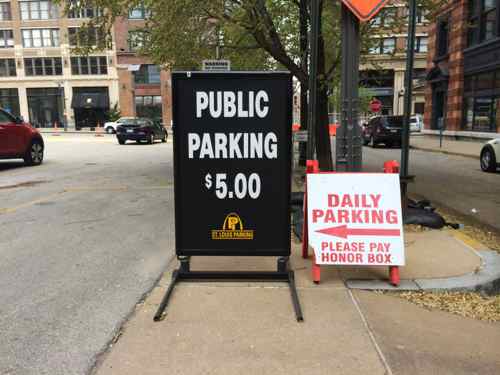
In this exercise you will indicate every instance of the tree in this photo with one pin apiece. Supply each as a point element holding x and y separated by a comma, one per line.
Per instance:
<point>254,34</point>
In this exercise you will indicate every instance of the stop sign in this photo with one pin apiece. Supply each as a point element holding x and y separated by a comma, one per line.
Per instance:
<point>375,105</point>
<point>365,9</point>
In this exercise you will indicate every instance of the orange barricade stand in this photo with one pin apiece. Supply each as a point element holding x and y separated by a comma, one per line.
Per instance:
<point>98,131</point>
<point>56,129</point>
<point>312,166</point>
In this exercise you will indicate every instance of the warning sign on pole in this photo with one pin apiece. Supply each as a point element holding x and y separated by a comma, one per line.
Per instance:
<point>365,10</point>
<point>355,219</point>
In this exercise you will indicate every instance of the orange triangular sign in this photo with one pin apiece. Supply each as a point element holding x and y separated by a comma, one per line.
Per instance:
<point>365,10</point>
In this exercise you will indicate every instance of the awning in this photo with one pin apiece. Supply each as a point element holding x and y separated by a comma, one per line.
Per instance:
<point>90,100</point>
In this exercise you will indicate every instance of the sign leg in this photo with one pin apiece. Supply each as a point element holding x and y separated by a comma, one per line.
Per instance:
<point>163,305</point>
<point>316,271</point>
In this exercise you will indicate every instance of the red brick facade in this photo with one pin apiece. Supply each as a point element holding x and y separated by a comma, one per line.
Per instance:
<point>127,87</point>
<point>456,14</point>
<point>451,70</point>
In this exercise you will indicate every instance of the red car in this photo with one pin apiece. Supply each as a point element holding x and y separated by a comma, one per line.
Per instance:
<point>19,140</point>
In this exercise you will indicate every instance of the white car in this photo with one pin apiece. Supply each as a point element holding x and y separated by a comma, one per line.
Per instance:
<point>110,127</point>
<point>416,123</point>
<point>490,156</point>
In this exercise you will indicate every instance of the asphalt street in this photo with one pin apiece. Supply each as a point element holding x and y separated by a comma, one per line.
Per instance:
<point>453,181</point>
<point>82,238</point>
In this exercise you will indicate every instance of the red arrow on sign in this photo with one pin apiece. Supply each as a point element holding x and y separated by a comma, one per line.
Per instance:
<point>343,231</point>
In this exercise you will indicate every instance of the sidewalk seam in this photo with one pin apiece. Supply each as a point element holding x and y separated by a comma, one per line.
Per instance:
<point>370,334</point>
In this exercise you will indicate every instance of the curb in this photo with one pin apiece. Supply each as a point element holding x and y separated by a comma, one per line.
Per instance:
<point>486,278</point>
<point>445,152</point>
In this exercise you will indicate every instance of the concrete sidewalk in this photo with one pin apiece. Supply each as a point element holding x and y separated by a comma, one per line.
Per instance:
<point>250,328</point>
<point>449,146</point>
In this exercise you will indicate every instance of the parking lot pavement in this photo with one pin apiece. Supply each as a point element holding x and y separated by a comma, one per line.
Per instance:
<point>82,238</point>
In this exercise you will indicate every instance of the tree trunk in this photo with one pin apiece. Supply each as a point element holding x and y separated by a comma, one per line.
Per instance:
<point>323,148</point>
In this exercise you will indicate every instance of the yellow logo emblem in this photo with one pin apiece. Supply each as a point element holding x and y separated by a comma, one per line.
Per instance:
<point>232,229</point>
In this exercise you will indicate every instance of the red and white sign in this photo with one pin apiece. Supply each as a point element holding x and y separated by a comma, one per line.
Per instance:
<point>355,218</point>
<point>365,9</point>
<point>375,105</point>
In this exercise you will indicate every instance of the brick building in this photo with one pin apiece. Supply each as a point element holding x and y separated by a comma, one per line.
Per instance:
<point>144,87</point>
<point>41,78</point>
<point>44,80</point>
<point>463,70</point>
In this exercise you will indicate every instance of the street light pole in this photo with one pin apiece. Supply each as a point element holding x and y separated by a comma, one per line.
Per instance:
<point>405,141</point>
<point>313,80</point>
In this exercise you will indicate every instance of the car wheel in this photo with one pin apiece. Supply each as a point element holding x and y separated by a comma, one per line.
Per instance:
<point>151,139</point>
<point>487,160</point>
<point>110,130</point>
<point>121,141</point>
<point>389,144</point>
<point>34,154</point>
<point>164,139</point>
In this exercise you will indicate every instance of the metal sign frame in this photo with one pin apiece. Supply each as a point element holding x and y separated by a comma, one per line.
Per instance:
<point>277,190</point>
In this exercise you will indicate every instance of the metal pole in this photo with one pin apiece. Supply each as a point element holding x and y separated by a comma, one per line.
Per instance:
<point>313,81</point>
<point>405,141</point>
<point>349,143</point>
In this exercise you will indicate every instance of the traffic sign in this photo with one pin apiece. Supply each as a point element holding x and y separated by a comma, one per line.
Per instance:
<point>355,218</point>
<point>375,105</point>
<point>365,9</point>
<point>232,147</point>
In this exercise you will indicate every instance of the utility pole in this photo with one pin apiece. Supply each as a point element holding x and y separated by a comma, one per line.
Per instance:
<point>405,141</point>
<point>313,80</point>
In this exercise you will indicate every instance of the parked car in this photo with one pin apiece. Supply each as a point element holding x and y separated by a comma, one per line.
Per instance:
<point>140,129</point>
<point>490,156</point>
<point>416,123</point>
<point>19,140</point>
<point>383,129</point>
<point>110,126</point>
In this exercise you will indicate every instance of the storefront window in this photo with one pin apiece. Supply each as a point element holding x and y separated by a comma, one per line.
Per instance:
<point>149,107</point>
<point>45,107</point>
<point>469,113</point>
<point>9,101</point>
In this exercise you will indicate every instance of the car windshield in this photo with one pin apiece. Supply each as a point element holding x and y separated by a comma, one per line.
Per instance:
<point>127,121</point>
<point>393,121</point>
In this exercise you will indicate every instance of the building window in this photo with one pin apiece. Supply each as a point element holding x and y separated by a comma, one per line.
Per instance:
<point>78,10</point>
<point>385,17</point>
<point>40,38</point>
<point>7,68</point>
<point>6,39</point>
<point>488,20</point>
<point>383,46</point>
<point>147,74</point>
<point>442,38</point>
<point>48,66</point>
<point>139,12</point>
<point>136,40</point>
<point>85,65</point>
<point>149,107</point>
<point>87,37</point>
<point>9,101</point>
<point>5,14</point>
<point>482,21</point>
<point>481,102</point>
<point>38,10</point>
<point>421,44</point>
